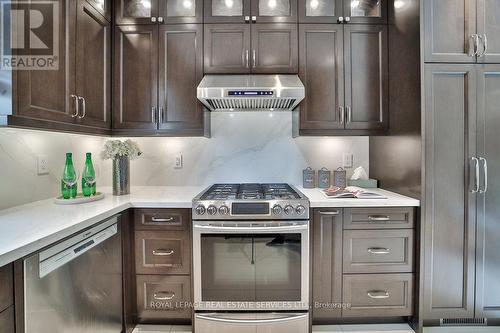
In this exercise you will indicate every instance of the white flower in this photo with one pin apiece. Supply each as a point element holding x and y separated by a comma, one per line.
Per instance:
<point>116,148</point>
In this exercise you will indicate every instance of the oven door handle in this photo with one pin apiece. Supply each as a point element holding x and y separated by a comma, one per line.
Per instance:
<point>219,318</point>
<point>238,230</point>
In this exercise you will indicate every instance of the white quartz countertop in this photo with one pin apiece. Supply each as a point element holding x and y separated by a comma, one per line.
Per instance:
<point>28,228</point>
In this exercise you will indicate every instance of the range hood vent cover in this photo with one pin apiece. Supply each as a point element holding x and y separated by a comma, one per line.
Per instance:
<point>251,92</point>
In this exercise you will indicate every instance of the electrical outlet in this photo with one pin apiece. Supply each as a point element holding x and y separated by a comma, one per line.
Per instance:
<point>347,160</point>
<point>178,161</point>
<point>42,165</point>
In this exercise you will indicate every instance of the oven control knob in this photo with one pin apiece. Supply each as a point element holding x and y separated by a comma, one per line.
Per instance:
<point>288,210</point>
<point>300,209</point>
<point>200,209</point>
<point>277,209</point>
<point>212,210</point>
<point>223,210</point>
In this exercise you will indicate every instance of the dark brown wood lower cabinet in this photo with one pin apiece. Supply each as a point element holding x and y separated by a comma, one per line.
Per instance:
<point>327,264</point>
<point>6,287</point>
<point>7,321</point>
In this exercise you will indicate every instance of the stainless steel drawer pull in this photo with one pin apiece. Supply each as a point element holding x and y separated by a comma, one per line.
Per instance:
<point>84,107</point>
<point>379,218</point>
<point>485,170</point>
<point>476,174</point>
<point>336,212</point>
<point>163,252</point>
<point>159,219</point>
<point>341,115</point>
<point>378,294</point>
<point>164,295</point>
<point>379,250</point>
<point>77,106</point>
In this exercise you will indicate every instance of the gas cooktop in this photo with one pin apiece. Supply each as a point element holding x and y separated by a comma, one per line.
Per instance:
<point>250,201</point>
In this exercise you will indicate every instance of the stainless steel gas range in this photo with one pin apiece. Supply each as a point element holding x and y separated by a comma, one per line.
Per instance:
<point>251,259</point>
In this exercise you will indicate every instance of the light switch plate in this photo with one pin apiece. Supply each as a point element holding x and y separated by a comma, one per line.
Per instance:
<point>347,160</point>
<point>42,165</point>
<point>178,161</point>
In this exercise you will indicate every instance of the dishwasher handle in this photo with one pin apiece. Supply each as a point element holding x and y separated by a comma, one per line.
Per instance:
<point>75,250</point>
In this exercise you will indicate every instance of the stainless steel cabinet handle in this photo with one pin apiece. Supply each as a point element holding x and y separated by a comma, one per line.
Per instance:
<point>153,19</point>
<point>164,295</point>
<point>476,44</point>
<point>476,178</point>
<point>163,252</point>
<point>472,45</point>
<point>379,250</point>
<point>84,107</point>
<point>378,294</point>
<point>160,114</point>
<point>332,213</point>
<point>254,61</point>
<point>341,19</point>
<point>160,19</point>
<point>254,19</point>
<point>77,106</point>
<point>247,59</point>
<point>485,44</point>
<point>341,114</point>
<point>379,218</point>
<point>153,114</point>
<point>485,170</point>
<point>349,114</point>
<point>247,19</point>
<point>159,220</point>
<point>347,19</point>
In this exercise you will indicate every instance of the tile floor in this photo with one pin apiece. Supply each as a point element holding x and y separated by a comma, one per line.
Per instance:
<point>381,328</point>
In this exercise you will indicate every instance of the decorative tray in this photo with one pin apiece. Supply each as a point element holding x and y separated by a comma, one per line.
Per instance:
<point>80,199</point>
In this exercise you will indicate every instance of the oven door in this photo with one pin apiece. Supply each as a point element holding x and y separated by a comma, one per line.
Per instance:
<point>251,265</point>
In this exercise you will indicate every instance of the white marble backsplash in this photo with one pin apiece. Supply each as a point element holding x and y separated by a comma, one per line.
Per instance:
<point>245,147</point>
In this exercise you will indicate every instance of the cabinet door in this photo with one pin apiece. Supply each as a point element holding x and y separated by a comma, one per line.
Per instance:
<point>267,11</point>
<point>93,63</point>
<point>488,224</point>
<point>274,48</point>
<point>103,7</point>
<point>181,70</point>
<point>320,11</point>
<point>136,11</point>
<point>181,11</point>
<point>366,11</point>
<point>449,210</point>
<point>327,264</point>
<point>366,77</point>
<point>488,27</point>
<point>448,29</point>
<point>321,71</point>
<point>226,11</point>
<point>227,48</point>
<point>135,77</point>
<point>45,94</point>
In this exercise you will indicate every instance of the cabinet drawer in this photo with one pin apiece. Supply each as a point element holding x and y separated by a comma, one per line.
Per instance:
<point>162,219</point>
<point>374,295</point>
<point>6,287</point>
<point>378,251</point>
<point>7,320</point>
<point>379,218</point>
<point>163,297</point>
<point>162,252</point>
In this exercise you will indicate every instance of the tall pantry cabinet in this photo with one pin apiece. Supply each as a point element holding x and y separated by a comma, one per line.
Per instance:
<point>461,210</point>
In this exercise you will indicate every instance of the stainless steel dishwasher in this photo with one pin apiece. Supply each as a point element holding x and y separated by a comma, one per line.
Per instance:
<point>76,285</point>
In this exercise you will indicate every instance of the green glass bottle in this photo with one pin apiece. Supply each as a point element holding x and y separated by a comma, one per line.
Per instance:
<point>69,179</point>
<point>88,177</point>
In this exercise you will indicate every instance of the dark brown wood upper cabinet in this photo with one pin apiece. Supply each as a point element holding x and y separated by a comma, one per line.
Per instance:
<point>181,70</point>
<point>226,11</point>
<point>136,11</point>
<point>320,11</point>
<point>321,70</point>
<point>180,11</point>
<point>450,209</point>
<point>93,66</point>
<point>366,77</point>
<point>488,28</point>
<point>227,48</point>
<point>256,48</point>
<point>274,11</point>
<point>365,11</point>
<point>136,78</point>
<point>274,48</point>
<point>103,7</point>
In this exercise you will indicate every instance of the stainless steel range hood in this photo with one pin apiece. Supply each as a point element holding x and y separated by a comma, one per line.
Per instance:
<point>251,92</point>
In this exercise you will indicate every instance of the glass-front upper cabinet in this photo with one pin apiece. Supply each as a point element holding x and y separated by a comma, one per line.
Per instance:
<point>343,11</point>
<point>250,11</point>
<point>158,11</point>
